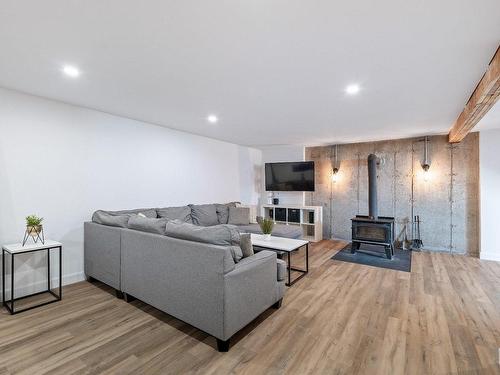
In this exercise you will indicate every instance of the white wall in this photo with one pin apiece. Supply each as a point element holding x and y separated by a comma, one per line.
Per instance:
<point>63,162</point>
<point>274,154</point>
<point>489,164</point>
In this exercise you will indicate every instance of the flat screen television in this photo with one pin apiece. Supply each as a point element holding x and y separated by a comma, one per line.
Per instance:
<point>290,176</point>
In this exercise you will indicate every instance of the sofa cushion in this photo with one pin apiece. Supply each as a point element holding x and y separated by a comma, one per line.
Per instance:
<point>239,216</point>
<point>246,244</point>
<point>223,211</point>
<point>147,224</point>
<point>204,214</point>
<point>182,213</point>
<point>148,212</point>
<point>222,235</point>
<point>113,220</point>
<point>279,230</point>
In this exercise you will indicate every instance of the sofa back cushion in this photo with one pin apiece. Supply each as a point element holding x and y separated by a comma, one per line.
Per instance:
<point>239,216</point>
<point>147,224</point>
<point>222,235</point>
<point>223,211</point>
<point>182,213</point>
<point>204,214</point>
<point>113,220</point>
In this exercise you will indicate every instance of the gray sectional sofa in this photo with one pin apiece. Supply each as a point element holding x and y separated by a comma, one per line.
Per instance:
<point>205,282</point>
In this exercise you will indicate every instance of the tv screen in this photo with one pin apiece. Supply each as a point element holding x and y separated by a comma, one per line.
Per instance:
<point>294,176</point>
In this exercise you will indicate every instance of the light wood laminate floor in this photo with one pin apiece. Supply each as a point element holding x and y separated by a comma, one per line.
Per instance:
<point>343,318</point>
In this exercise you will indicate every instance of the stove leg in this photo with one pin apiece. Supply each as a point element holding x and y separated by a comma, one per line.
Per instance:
<point>354,247</point>
<point>388,252</point>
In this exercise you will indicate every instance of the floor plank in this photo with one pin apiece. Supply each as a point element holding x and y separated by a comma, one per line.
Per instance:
<point>342,318</point>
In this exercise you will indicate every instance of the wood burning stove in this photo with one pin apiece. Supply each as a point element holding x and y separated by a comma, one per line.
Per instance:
<point>373,229</point>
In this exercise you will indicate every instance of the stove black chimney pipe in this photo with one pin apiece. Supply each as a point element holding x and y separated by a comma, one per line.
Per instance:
<point>372,187</point>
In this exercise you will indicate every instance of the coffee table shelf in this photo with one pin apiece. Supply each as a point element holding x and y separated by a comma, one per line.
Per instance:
<point>287,246</point>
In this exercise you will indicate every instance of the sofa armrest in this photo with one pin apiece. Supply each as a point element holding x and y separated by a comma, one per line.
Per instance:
<point>182,278</point>
<point>249,289</point>
<point>102,253</point>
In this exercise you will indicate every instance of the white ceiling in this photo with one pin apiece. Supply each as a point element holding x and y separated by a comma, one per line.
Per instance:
<point>274,71</point>
<point>491,119</point>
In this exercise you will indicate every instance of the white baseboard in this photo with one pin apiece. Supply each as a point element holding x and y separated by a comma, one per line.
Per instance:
<point>489,255</point>
<point>41,285</point>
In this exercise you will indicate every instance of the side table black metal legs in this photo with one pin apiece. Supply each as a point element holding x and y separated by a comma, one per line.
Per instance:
<point>10,306</point>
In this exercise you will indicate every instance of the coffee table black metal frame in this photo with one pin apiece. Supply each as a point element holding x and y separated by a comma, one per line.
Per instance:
<point>58,296</point>
<point>289,262</point>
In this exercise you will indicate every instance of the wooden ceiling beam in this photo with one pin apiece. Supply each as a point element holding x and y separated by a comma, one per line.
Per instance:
<point>485,95</point>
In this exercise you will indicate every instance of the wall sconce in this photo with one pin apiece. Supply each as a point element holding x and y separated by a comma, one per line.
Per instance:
<point>335,169</point>
<point>426,164</point>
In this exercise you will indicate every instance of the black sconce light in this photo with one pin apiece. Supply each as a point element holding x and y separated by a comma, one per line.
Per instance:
<point>426,164</point>
<point>335,169</point>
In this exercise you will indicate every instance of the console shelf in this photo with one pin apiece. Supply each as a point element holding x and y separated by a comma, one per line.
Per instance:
<point>310,218</point>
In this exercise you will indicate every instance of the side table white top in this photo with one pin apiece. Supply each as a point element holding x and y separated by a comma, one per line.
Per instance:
<point>19,248</point>
<point>277,243</point>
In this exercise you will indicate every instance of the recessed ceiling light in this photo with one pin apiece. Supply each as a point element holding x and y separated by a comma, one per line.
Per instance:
<point>212,119</point>
<point>71,71</point>
<point>352,89</point>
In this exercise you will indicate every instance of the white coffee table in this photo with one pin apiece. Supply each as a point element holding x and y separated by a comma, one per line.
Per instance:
<point>284,245</point>
<point>18,248</point>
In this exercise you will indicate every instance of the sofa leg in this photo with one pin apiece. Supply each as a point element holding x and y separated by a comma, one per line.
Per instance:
<point>277,305</point>
<point>128,298</point>
<point>222,346</point>
<point>90,279</point>
<point>119,294</point>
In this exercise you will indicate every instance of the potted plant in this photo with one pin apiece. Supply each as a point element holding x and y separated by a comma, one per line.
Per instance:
<point>34,227</point>
<point>266,225</point>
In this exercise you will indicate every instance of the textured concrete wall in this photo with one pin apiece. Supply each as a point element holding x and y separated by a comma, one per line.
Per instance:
<point>447,200</point>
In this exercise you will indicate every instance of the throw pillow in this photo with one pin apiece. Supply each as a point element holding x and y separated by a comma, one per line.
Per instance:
<point>239,216</point>
<point>204,214</point>
<point>146,224</point>
<point>182,213</point>
<point>246,244</point>
<point>223,211</point>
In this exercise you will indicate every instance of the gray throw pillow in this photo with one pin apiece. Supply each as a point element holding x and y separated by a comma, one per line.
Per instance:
<point>222,235</point>
<point>223,211</point>
<point>105,218</point>
<point>239,216</point>
<point>204,214</point>
<point>182,213</point>
<point>246,244</point>
<point>146,224</point>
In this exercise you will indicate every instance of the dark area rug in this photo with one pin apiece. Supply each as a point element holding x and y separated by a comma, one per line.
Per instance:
<point>370,255</point>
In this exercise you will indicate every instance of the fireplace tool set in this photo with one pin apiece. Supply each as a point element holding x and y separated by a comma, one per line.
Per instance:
<point>417,243</point>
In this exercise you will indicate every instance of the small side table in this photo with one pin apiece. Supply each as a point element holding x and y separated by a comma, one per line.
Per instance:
<point>18,248</point>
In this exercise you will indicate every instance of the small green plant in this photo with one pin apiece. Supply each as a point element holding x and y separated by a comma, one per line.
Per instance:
<point>266,225</point>
<point>33,221</point>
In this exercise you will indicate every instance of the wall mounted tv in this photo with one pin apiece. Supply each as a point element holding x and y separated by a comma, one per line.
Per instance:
<point>290,176</point>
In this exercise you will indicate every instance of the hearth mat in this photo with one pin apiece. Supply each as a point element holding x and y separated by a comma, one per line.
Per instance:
<point>370,255</point>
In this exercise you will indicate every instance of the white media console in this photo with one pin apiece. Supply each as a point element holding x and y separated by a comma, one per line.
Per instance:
<point>309,218</point>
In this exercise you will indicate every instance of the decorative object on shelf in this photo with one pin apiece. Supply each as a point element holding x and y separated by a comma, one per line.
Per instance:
<point>34,229</point>
<point>270,197</point>
<point>266,225</point>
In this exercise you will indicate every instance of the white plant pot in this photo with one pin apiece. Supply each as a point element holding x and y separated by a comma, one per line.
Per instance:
<point>267,236</point>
